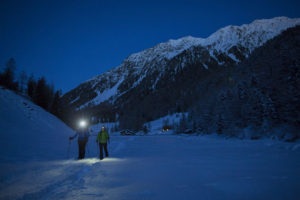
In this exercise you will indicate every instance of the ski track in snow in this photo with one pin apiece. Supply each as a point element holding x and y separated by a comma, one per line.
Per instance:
<point>163,167</point>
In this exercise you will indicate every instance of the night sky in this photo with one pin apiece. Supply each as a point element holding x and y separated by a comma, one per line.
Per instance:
<point>69,42</point>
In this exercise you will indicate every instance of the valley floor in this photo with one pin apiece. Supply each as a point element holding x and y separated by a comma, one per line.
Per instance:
<point>161,167</point>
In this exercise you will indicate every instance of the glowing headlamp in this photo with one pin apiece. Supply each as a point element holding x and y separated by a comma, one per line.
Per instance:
<point>82,123</point>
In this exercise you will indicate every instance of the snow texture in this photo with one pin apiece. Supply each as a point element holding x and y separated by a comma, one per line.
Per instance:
<point>37,162</point>
<point>161,167</point>
<point>103,96</point>
<point>28,131</point>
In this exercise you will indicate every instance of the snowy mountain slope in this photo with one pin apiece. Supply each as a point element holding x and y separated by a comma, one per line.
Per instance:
<point>226,47</point>
<point>251,35</point>
<point>27,132</point>
<point>247,37</point>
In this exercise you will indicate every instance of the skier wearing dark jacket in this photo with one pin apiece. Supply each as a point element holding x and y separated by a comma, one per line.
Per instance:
<point>83,135</point>
<point>102,139</point>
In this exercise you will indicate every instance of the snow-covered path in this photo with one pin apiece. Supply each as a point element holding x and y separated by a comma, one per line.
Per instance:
<point>162,167</point>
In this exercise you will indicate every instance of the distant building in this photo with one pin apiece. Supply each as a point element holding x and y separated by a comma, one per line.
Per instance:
<point>166,128</point>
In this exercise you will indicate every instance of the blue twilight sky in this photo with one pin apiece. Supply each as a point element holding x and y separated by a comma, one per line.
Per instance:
<point>71,41</point>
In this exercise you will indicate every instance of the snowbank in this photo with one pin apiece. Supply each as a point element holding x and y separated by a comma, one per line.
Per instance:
<point>28,132</point>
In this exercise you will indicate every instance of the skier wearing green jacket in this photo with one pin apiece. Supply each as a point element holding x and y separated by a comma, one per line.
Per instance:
<point>102,139</point>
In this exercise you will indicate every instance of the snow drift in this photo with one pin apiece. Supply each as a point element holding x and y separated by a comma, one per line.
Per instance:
<point>28,132</point>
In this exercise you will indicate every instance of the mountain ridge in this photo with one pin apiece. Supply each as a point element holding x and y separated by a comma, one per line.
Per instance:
<point>226,47</point>
<point>210,40</point>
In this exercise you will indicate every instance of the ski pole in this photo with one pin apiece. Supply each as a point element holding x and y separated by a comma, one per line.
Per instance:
<point>109,148</point>
<point>98,151</point>
<point>68,150</point>
<point>88,151</point>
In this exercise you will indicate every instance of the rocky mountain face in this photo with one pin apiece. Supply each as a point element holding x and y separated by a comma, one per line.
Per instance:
<point>169,77</point>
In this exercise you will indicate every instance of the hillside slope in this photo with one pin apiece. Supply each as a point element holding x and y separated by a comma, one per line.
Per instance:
<point>27,132</point>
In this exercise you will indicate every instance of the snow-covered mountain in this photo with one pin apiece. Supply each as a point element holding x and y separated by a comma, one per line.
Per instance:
<point>28,132</point>
<point>249,36</point>
<point>226,47</point>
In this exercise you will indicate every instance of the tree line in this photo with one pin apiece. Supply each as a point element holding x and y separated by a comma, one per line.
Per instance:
<point>38,90</point>
<point>257,98</point>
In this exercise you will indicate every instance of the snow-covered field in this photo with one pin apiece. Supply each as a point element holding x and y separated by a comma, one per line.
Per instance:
<point>139,167</point>
<point>162,167</point>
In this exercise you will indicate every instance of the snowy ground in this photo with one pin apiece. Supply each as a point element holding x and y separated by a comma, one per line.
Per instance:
<point>162,167</point>
<point>27,132</point>
<point>37,162</point>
